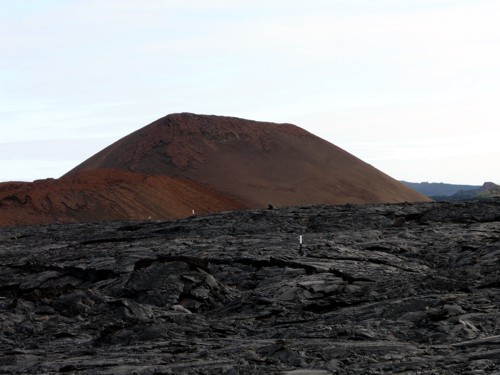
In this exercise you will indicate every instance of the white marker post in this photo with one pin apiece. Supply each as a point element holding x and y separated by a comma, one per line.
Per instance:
<point>193,213</point>
<point>301,252</point>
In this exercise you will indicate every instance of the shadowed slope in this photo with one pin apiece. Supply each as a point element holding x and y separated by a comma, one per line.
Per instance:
<point>103,195</point>
<point>255,162</point>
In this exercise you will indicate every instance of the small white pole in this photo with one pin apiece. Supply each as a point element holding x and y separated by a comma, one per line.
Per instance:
<point>193,211</point>
<point>301,252</point>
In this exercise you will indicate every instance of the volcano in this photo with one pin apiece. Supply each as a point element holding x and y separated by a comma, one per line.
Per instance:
<point>186,161</point>
<point>258,163</point>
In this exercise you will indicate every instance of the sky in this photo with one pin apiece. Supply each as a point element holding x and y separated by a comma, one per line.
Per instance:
<point>411,87</point>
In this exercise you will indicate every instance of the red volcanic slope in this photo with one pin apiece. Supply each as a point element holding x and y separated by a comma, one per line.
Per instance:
<point>207,163</point>
<point>106,195</point>
<point>256,163</point>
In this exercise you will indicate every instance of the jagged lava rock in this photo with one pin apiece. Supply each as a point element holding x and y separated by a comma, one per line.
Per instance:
<point>395,288</point>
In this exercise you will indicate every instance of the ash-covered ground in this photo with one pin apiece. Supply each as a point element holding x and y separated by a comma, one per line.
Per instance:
<point>387,289</point>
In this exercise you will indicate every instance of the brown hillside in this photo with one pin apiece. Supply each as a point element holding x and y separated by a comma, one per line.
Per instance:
<point>256,163</point>
<point>106,195</point>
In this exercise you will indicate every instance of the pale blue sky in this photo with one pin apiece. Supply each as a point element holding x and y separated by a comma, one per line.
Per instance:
<point>409,86</point>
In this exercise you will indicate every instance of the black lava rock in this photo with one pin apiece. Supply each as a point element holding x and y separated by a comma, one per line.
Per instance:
<point>401,288</point>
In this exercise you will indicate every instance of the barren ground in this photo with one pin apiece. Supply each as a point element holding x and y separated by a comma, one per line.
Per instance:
<point>377,289</point>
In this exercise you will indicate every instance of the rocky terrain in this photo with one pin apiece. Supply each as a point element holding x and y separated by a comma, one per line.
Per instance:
<point>207,163</point>
<point>374,289</point>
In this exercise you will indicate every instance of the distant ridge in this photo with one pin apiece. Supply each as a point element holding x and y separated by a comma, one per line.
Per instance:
<point>451,192</point>
<point>488,191</point>
<point>185,162</point>
<point>433,189</point>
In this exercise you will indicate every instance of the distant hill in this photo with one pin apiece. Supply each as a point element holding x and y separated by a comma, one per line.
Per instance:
<point>450,192</point>
<point>207,163</point>
<point>489,190</point>
<point>438,189</point>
